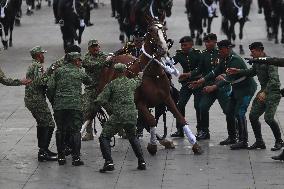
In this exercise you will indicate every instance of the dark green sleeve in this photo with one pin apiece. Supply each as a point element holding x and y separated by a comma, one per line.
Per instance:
<point>251,72</point>
<point>217,71</point>
<point>273,78</point>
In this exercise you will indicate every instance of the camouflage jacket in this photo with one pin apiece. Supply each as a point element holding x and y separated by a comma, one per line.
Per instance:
<point>58,63</point>
<point>67,88</point>
<point>8,81</point>
<point>119,95</point>
<point>36,90</point>
<point>93,67</point>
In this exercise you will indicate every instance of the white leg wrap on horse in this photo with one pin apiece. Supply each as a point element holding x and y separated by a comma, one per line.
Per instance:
<point>84,126</point>
<point>190,136</point>
<point>153,138</point>
<point>2,12</point>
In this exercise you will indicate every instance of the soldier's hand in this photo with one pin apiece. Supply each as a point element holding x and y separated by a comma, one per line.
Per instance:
<point>26,81</point>
<point>184,76</point>
<point>209,89</point>
<point>261,96</point>
<point>196,84</point>
<point>220,77</point>
<point>232,71</point>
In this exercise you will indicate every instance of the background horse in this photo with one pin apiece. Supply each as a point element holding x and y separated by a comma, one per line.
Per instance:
<point>155,87</point>
<point>198,11</point>
<point>267,9</point>
<point>234,11</point>
<point>71,15</point>
<point>10,7</point>
<point>277,19</point>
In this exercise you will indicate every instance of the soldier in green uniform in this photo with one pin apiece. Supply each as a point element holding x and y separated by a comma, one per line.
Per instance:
<point>267,99</point>
<point>67,88</point>
<point>243,89</point>
<point>35,101</point>
<point>188,58</point>
<point>12,82</point>
<point>119,94</point>
<point>94,62</point>
<point>208,62</point>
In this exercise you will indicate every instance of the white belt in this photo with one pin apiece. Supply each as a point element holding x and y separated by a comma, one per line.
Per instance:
<point>239,80</point>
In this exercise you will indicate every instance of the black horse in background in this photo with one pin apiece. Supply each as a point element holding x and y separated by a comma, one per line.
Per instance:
<point>71,19</point>
<point>234,11</point>
<point>266,5</point>
<point>9,9</point>
<point>198,12</point>
<point>277,15</point>
<point>134,15</point>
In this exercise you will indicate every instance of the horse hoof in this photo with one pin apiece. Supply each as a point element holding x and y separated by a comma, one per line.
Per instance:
<point>197,149</point>
<point>152,149</point>
<point>168,144</point>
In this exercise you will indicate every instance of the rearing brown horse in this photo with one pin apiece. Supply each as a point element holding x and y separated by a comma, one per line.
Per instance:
<point>155,87</point>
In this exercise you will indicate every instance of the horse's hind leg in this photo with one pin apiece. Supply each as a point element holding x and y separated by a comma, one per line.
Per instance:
<point>242,23</point>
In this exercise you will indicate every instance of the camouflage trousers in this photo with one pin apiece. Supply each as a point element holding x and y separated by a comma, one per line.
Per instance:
<point>89,108</point>
<point>114,125</point>
<point>41,113</point>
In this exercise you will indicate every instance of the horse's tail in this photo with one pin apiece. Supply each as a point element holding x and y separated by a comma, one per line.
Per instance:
<point>225,26</point>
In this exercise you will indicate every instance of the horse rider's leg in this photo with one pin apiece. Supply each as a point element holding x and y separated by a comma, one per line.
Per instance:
<point>151,121</point>
<point>209,24</point>
<point>11,33</point>
<point>282,27</point>
<point>242,23</point>
<point>275,20</point>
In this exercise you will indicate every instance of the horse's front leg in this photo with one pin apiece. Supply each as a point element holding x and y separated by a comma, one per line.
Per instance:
<point>242,23</point>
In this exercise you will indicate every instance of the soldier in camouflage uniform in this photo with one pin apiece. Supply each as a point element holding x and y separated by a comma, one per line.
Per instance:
<point>12,82</point>
<point>188,58</point>
<point>93,62</point>
<point>267,99</point>
<point>67,89</point>
<point>119,94</point>
<point>35,101</point>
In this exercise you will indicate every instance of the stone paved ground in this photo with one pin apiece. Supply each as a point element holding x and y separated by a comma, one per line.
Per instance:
<point>218,168</point>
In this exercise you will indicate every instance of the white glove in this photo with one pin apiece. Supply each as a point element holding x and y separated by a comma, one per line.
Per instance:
<point>82,23</point>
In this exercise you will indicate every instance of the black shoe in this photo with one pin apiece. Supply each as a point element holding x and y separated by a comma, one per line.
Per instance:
<point>77,162</point>
<point>259,11</point>
<point>141,165</point>
<point>279,157</point>
<point>61,159</point>
<point>277,146</point>
<point>108,166</point>
<point>43,156</point>
<point>228,141</point>
<point>257,145</point>
<point>89,24</point>
<point>50,153</point>
<point>203,136</point>
<point>198,133</point>
<point>177,134</point>
<point>29,12</point>
<point>239,145</point>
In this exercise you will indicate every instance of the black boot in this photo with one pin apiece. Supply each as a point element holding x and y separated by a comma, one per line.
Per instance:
<point>42,136</point>
<point>204,135</point>
<point>204,126</point>
<point>178,133</point>
<point>278,145</point>
<point>76,147</point>
<point>228,141</point>
<point>279,157</point>
<point>49,136</point>
<point>138,152</point>
<point>231,129</point>
<point>106,152</point>
<point>256,127</point>
<point>277,135</point>
<point>243,135</point>
<point>60,144</point>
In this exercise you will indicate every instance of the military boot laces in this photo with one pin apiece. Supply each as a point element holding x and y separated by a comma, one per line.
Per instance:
<point>141,165</point>
<point>108,166</point>
<point>279,157</point>
<point>77,161</point>
<point>257,145</point>
<point>61,159</point>
<point>278,145</point>
<point>228,141</point>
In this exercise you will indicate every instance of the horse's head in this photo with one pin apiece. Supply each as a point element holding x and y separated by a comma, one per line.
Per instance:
<point>165,5</point>
<point>156,40</point>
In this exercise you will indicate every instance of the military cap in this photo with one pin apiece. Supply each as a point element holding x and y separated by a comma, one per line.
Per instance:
<point>256,45</point>
<point>186,39</point>
<point>224,44</point>
<point>37,49</point>
<point>119,67</point>
<point>210,36</point>
<point>73,48</point>
<point>74,56</point>
<point>93,42</point>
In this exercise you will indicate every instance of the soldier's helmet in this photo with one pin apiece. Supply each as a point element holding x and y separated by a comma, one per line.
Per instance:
<point>119,67</point>
<point>73,56</point>
<point>93,42</point>
<point>37,49</point>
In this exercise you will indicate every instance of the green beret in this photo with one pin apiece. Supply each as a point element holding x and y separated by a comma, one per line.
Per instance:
<point>93,42</point>
<point>119,67</point>
<point>37,49</point>
<point>73,56</point>
<point>256,45</point>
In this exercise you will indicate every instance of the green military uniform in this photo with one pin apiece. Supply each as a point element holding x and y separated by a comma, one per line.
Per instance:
<point>35,101</point>
<point>8,81</point>
<point>209,61</point>
<point>269,81</point>
<point>268,60</point>
<point>119,94</point>
<point>67,105</point>
<point>188,61</point>
<point>93,67</point>
<point>243,89</point>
